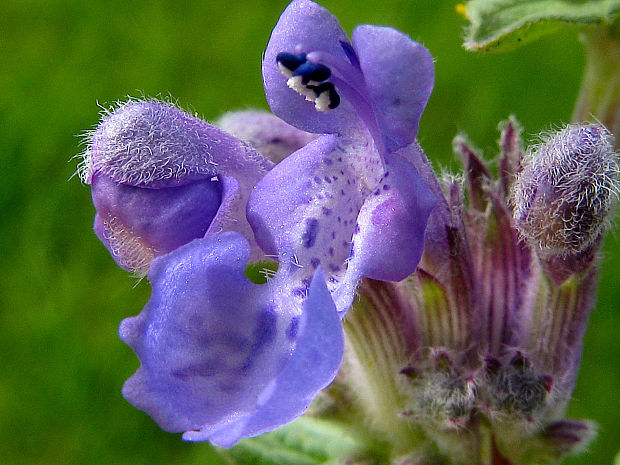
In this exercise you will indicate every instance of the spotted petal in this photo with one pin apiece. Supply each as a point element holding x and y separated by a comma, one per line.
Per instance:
<point>389,236</point>
<point>310,208</point>
<point>222,358</point>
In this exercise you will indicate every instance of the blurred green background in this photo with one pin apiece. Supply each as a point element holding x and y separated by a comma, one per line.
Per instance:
<point>62,296</point>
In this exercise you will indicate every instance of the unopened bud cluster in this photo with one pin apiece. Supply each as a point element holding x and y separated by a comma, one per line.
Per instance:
<point>483,343</point>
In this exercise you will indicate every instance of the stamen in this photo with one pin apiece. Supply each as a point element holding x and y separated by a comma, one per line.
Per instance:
<point>289,62</point>
<point>307,73</point>
<point>327,97</point>
<point>312,73</point>
<point>308,79</point>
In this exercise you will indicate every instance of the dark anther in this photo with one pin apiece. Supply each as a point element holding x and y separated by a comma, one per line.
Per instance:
<point>334,98</point>
<point>312,72</point>
<point>291,61</point>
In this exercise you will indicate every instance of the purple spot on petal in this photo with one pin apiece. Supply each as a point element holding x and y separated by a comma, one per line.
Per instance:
<point>228,388</point>
<point>315,262</point>
<point>327,180</point>
<point>317,180</point>
<point>357,229</point>
<point>333,234</point>
<point>326,211</point>
<point>292,329</point>
<point>342,192</point>
<point>377,192</point>
<point>308,238</point>
<point>386,187</point>
<point>299,292</point>
<point>265,330</point>
<point>328,161</point>
<point>331,251</point>
<point>335,178</point>
<point>340,160</point>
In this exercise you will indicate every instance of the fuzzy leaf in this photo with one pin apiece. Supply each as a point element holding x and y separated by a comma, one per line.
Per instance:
<point>501,25</point>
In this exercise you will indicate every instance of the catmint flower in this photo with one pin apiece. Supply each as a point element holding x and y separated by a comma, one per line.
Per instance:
<point>161,178</point>
<point>223,358</point>
<point>347,201</point>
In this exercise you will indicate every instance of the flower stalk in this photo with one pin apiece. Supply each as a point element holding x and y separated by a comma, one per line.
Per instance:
<point>600,88</point>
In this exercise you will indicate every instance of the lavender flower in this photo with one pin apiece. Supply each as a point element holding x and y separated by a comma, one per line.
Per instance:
<point>224,358</point>
<point>347,202</point>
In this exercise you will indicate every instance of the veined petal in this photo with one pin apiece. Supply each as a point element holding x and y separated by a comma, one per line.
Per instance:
<point>306,27</point>
<point>312,366</point>
<point>215,347</point>
<point>399,75</point>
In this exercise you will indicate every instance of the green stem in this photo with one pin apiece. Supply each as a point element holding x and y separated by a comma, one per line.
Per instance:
<point>600,89</point>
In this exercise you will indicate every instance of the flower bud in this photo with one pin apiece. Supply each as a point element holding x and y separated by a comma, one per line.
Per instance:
<point>161,178</point>
<point>269,135</point>
<point>562,198</point>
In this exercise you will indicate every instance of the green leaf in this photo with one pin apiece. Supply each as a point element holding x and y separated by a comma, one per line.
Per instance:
<point>257,272</point>
<point>307,441</point>
<point>502,25</point>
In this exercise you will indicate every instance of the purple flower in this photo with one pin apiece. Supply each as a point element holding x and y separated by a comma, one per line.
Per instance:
<point>348,201</point>
<point>161,178</point>
<point>224,358</point>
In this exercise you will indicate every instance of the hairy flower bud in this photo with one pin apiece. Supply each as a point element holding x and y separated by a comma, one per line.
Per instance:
<point>562,198</point>
<point>161,177</point>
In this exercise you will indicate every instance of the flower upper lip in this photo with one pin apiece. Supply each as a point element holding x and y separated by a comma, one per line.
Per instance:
<point>383,69</point>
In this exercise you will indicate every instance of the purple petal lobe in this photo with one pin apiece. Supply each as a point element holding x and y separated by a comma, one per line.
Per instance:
<point>162,177</point>
<point>305,27</point>
<point>305,209</point>
<point>312,366</point>
<point>389,240</point>
<point>215,348</point>
<point>160,219</point>
<point>399,77</point>
<point>207,338</point>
